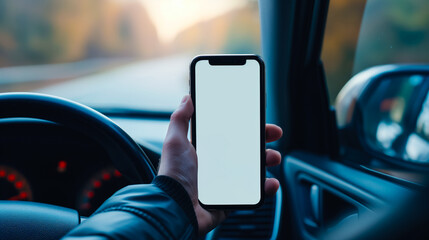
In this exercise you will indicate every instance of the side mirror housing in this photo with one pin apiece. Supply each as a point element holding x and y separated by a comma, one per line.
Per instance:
<point>385,111</point>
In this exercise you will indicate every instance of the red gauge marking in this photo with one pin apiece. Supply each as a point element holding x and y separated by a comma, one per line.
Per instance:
<point>106,176</point>
<point>90,194</point>
<point>117,173</point>
<point>97,184</point>
<point>23,195</point>
<point>14,198</point>
<point>11,177</point>
<point>62,166</point>
<point>19,185</point>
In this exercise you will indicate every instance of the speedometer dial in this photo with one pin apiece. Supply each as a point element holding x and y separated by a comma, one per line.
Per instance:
<point>13,185</point>
<point>99,188</point>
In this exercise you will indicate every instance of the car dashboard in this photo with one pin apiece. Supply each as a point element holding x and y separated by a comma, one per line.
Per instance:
<point>45,162</point>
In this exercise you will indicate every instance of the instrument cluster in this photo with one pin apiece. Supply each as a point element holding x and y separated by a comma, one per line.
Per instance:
<point>81,191</point>
<point>56,166</point>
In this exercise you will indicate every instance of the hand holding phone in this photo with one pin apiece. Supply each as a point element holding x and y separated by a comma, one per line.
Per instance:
<point>228,130</point>
<point>179,161</point>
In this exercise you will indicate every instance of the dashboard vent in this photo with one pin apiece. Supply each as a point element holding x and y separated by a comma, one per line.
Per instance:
<point>248,224</point>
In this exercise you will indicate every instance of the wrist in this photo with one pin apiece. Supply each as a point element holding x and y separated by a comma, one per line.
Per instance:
<point>178,193</point>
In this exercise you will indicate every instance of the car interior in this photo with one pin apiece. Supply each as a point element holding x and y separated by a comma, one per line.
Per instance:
<point>87,89</point>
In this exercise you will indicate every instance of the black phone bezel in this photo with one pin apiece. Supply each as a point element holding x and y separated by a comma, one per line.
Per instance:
<point>239,59</point>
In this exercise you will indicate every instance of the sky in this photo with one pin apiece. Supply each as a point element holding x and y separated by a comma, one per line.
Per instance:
<point>172,16</point>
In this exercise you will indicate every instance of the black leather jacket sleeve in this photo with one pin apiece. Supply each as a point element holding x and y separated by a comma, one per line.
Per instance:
<point>161,210</point>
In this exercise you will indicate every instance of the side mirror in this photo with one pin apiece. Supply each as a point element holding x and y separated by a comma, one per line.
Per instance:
<point>385,111</point>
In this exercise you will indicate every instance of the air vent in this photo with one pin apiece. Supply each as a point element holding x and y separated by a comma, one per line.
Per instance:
<point>249,224</point>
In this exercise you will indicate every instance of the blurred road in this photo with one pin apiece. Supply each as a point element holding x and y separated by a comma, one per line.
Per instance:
<point>37,73</point>
<point>157,84</point>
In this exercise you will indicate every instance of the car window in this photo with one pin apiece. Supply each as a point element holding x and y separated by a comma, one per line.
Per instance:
<point>130,54</point>
<point>361,34</point>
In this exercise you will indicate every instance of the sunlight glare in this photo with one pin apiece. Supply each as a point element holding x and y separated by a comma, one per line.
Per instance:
<point>172,16</point>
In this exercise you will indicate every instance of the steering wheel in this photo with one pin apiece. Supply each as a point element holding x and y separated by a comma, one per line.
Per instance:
<point>20,219</point>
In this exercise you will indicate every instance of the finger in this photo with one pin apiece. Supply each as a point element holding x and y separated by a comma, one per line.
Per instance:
<point>272,132</point>
<point>179,120</point>
<point>271,186</point>
<point>273,158</point>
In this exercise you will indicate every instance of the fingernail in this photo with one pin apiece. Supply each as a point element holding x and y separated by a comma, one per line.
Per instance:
<point>184,99</point>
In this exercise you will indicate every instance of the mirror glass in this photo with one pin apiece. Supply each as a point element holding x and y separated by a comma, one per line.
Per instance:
<point>395,114</point>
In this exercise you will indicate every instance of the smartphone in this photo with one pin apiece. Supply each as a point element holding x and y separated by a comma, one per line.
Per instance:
<point>228,130</point>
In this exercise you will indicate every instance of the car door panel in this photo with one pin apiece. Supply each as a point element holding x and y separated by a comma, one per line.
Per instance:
<point>326,195</point>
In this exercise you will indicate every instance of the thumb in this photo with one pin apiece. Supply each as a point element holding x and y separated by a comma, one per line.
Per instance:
<point>179,120</point>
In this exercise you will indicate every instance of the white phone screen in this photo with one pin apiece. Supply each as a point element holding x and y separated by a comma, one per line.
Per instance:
<point>228,132</point>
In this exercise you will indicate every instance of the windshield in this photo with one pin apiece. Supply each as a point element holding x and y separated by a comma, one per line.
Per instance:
<point>113,54</point>
<point>361,34</point>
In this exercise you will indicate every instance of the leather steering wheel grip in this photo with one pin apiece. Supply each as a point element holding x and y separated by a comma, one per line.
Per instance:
<point>37,221</point>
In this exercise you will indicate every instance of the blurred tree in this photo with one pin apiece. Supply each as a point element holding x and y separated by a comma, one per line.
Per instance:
<point>237,31</point>
<point>361,34</point>
<point>51,31</point>
<point>393,31</point>
<point>138,32</point>
<point>339,44</point>
<point>240,39</point>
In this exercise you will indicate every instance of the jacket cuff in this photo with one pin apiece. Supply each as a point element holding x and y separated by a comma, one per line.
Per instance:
<point>179,194</point>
